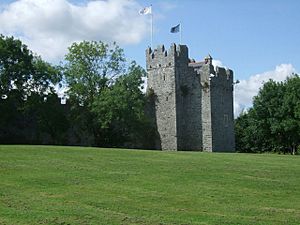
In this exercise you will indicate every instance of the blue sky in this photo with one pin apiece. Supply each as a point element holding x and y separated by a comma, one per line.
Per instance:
<point>248,36</point>
<point>258,39</point>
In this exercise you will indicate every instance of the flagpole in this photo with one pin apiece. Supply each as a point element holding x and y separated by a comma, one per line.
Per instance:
<point>146,11</point>
<point>180,33</point>
<point>151,27</point>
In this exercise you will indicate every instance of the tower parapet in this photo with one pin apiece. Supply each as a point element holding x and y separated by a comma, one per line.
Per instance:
<point>161,57</point>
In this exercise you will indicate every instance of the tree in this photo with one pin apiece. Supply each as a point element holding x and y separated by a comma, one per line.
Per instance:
<point>21,70</point>
<point>267,114</point>
<point>272,124</point>
<point>105,94</point>
<point>242,130</point>
<point>291,110</point>
<point>15,65</point>
<point>24,78</point>
<point>90,67</point>
<point>44,77</point>
<point>119,108</point>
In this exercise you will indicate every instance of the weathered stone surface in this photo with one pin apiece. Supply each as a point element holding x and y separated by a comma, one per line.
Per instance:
<point>193,102</point>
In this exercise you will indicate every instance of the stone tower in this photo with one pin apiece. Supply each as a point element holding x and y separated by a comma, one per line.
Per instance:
<point>193,104</point>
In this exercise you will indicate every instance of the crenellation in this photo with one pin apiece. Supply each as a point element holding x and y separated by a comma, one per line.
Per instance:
<point>229,74</point>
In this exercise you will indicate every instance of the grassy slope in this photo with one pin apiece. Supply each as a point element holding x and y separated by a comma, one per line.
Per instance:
<point>72,185</point>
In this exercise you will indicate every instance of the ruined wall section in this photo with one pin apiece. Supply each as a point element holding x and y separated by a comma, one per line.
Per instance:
<point>222,118</point>
<point>161,80</point>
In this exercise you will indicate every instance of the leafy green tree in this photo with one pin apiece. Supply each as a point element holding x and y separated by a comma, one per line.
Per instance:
<point>119,108</point>
<point>21,70</point>
<point>267,114</point>
<point>24,77</point>
<point>242,130</point>
<point>15,65</point>
<point>90,67</point>
<point>44,77</point>
<point>106,97</point>
<point>291,109</point>
<point>272,124</point>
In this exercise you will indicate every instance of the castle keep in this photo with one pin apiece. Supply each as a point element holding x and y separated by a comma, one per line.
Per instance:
<point>193,101</point>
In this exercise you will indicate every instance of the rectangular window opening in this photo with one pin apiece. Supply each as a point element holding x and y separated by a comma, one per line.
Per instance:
<point>226,120</point>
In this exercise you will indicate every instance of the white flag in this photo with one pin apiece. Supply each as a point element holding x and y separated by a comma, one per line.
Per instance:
<point>146,10</point>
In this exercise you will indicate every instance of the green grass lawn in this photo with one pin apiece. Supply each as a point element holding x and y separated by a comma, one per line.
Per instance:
<point>74,185</point>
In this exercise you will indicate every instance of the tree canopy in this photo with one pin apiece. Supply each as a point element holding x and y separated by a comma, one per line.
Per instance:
<point>105,92</point>
<point>273,123</point>
<point>22,71</point>
<point>25,82</point>
<point>91,66</point>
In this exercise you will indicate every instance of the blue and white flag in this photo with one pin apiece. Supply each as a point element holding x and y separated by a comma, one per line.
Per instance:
<point>175,29</point>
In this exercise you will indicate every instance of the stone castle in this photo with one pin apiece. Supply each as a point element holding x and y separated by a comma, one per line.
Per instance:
<point>193,101</point>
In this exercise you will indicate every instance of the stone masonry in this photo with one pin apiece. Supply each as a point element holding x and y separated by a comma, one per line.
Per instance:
<point>193,104</point>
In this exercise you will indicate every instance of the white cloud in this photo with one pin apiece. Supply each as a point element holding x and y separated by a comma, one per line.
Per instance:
<point>247,89</point>
<point>48,27</point>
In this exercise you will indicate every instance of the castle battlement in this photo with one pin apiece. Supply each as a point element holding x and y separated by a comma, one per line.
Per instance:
<point>193,104</point>
<point>162,57</point>
<point>221,71</point>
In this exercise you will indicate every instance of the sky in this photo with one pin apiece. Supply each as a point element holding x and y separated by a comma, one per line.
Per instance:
<point>257,39</point>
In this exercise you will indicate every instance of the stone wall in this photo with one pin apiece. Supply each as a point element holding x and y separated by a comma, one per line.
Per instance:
<point>189,107</point>
<point>222,110</point>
